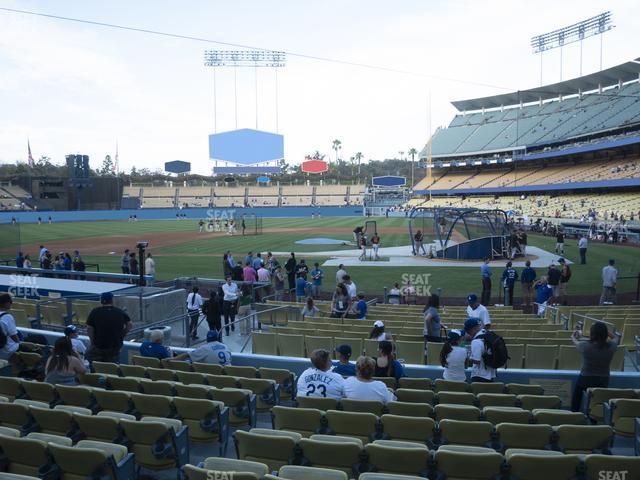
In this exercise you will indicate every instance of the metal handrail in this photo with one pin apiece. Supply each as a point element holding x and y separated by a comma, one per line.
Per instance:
<point>74,273</point>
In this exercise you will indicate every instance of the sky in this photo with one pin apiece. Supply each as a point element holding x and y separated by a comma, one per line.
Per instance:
<point>69,87</point>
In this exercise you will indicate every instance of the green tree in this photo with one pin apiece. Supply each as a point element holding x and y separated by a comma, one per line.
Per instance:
<point>358,158</point>
<point>336,145</point>
<point>107,166</point>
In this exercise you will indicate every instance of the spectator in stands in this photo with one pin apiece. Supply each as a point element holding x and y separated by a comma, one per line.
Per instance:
<point>248,273</point>
<point>386,363</point>
<point>153,347</point>
<point>544,293</point>
<point>378,333</point>
<point>78,264</point>
<point>363,386</point>
<point>477,310</point>
<point>453,357</point>
<point>527,278</point>
<point>597,354</point>
<point>257,262</point>
<point>290,268</point>
<point>67,263</point>
<point>237,272</point>
<point>211,308</point>
<point>263,274</point>
<point>485,275</point>
<point>42,254</point>
<point>226,266</point>
<point>302,269</point>
<point>609,280</point>
<point>316,280</point>
<point>340,274</point>
<point>248,258</point>
<point>194,306</point>
<point>47,262</point>
<point>560,242</point>
<point>63,365</point>
<point>214,351</point>
<point>344,366</point>
<point>8,329</point>
<point>310,309</point>
<point>509,277</point>
<point>565,276</point>
<point>20,260</point>
<point>71,332</point>
<point>106,327</point>
<point>431,316</point>
<point>340,302</point>
<point>150,265</point>
<point>479,371</point>
<point>393,298</point>
<point>351,288</point>
<point>133,264</point>
<point>418,244</point>
<point>409,293</point>
<point>553,280</point>
<point>582,247</point>
<point>27,261</point>
<point>125,262</point>
<point>229,304</point>
<point>301,288</point>
<point>319,380</point>
<point>361,307</point>
<point>278,282</point>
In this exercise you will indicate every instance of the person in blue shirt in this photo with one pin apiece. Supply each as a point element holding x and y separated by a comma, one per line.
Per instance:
<point>509,277</point>
<point>344,367</point>
<point>361,307</point>
<point>316,283</point>
<point>485,274</point>
<point>153,347</point>
<point>301,289</point>
<point>543,293</point>
<point>257,262</point>
<point>249,258</point>
<point>20,260</point>
<point>527,278</point>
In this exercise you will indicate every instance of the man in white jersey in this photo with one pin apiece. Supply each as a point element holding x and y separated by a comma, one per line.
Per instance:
<point>214,351</point>
<point>319,380</point>
<point>477,310</point>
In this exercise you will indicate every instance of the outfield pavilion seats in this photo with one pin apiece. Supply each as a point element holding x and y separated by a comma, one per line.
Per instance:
<point>195,196</point>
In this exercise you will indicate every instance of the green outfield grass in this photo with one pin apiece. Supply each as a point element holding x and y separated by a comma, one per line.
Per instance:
<point>203,256</point>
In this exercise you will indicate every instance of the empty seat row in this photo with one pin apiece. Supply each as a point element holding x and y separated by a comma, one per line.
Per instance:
<point>453,429</point>
<point>354,457</point>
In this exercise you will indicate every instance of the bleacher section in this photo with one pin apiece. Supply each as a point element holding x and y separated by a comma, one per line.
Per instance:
<point>496,130</point>
<point>13,197</point>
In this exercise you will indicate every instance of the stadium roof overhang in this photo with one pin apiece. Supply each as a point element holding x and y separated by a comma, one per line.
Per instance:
<point>625,72</point>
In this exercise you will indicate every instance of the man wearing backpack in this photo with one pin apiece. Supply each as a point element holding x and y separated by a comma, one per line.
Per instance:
<point>9,340</point>
<point>480,372</point>
<point>565,275</point>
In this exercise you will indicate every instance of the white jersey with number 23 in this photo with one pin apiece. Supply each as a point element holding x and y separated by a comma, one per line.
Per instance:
<point>316,383</point>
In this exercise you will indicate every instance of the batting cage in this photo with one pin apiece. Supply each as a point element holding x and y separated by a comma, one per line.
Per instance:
<point>250,224</point>
<point>10,243</point>
<point>459,233</point>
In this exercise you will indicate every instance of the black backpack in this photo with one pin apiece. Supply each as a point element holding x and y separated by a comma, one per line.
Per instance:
<point>496,355</point>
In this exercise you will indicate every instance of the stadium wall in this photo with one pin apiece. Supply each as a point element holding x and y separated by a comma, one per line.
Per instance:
<point>170,213</point>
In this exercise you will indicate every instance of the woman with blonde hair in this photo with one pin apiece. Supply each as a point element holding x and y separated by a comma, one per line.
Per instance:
<point>363,387</point>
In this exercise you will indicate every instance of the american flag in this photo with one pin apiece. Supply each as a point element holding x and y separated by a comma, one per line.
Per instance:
<point>30,159</point>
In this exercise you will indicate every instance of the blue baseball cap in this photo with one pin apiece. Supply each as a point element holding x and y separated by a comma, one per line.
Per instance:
<point>69,329</point>
<point>213,335</point>
<point>106,297</point>
<point>561,260</point>
<point>344,349</point>
<point>472,298</point>
<point>470,323</point>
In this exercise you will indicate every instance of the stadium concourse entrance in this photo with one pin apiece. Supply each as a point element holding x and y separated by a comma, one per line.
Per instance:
<point>459,233</point>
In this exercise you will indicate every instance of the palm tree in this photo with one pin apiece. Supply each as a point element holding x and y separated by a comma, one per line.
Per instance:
<point>413,152</point>
<point>336,145</point>
<point>358,158</point>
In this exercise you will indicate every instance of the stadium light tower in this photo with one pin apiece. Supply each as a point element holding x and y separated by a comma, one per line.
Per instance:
<point>243,58</point>
<point>577,32</point>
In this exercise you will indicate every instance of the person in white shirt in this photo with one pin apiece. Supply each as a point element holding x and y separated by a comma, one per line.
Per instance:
<point>479,371</point>
<point>363,387</point>
<point>319,380</point>
<point>477,310</point>
<point>229,304</point>
<point>194,304</point>
<point>394,295</point>
<point>340,274</point>
<point>453,358</point>
<point>609,280</point>
<point>150,265</point>
<point>8,326</point>
<point>582,247</point>
<point>214,351</point>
